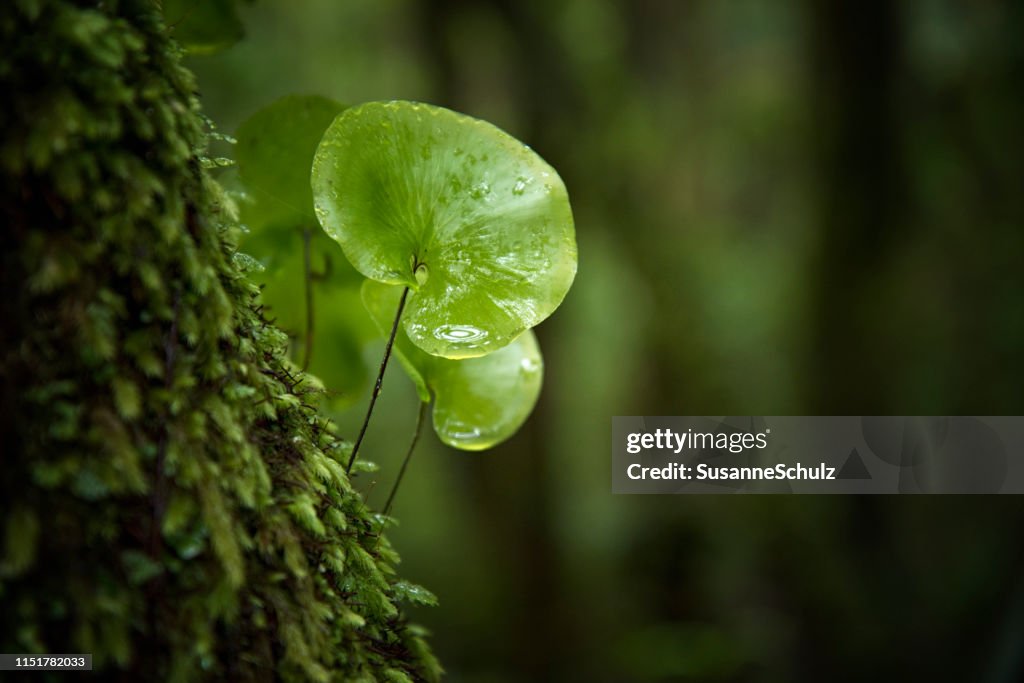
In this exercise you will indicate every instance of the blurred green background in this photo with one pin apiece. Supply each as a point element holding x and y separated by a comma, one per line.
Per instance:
<point>781,208</point>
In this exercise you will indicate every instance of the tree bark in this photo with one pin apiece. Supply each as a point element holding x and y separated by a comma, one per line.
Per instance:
<point>170,499</point>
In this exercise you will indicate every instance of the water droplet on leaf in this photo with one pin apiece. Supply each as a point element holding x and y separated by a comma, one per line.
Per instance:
<point>529,365</point>
<point>480,190</point>
<point>464,335</point>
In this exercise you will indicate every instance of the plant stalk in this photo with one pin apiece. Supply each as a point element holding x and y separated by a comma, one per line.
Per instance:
<point>380,381</point>
<point>408,456</point>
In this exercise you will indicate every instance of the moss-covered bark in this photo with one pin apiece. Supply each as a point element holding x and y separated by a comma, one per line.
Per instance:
<point>171,501</point>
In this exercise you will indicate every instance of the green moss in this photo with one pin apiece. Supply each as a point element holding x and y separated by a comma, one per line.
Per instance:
<point>171,500</point>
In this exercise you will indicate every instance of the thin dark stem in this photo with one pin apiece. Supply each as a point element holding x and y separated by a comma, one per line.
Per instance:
<point>380,381</point>
<point>308,354</point>
<point>408,456</point>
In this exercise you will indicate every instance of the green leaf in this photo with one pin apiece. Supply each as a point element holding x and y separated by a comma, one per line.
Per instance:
<point>478,402</point>
<point>275,153</point>
<point>203,26</point>
<point>473,221</point>
<point>275,149</point>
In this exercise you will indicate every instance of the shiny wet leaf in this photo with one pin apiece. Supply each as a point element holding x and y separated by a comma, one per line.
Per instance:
<point>472,220</point>
<point>478,402</point>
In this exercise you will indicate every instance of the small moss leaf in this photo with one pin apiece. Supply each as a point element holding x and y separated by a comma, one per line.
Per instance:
<point>413,594</point>
<point>473,221</point>
<point>478,402</point>
<point>275,152</point>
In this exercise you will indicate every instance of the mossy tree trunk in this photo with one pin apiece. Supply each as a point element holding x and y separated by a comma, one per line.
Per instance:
<point>170,499</point>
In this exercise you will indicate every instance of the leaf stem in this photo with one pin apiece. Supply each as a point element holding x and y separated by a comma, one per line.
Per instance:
<point>307,355</point>
<point>380,381</point>
<point>408,456</point>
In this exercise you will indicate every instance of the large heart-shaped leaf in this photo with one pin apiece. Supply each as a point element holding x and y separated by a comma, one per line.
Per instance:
<point>275,154</point>
<point>478,402</point>
<point>473,221</point>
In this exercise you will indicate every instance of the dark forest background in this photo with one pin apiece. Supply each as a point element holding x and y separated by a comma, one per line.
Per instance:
<point>781,208</point>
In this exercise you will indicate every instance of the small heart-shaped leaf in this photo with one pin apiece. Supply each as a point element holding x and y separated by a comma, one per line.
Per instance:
<point>478,402</point>
<point>275,154</point>
<point>473,221</point>
<point>274,150</point>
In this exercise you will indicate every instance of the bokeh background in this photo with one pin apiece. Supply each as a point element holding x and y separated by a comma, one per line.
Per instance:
<point>791,207</point>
